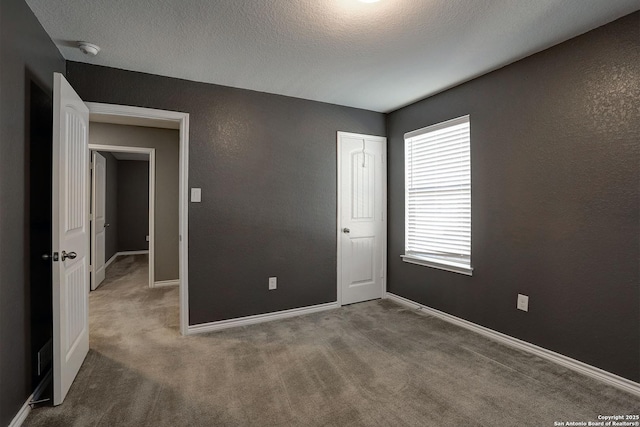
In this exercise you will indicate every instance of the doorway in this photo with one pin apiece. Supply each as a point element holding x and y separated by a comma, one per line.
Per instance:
<point>362,222</point>
<point>139,116</point>
<point>107,226</point>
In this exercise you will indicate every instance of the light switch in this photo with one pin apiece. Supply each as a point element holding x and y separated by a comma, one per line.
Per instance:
<point>196,195</point>
<point>523,302</point>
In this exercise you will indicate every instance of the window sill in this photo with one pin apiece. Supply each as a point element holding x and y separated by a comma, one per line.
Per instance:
<point>440,264</point>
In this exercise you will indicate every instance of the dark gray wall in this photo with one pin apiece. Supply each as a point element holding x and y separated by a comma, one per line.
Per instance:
<point>555,149</point>
<point>26,52</point>
<point>111,217</point>
<point>133,205</point>
<point>166,143</point>
<point>267,168</point>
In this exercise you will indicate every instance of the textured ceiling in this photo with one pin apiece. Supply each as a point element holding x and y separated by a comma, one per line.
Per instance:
<point>377,56</point>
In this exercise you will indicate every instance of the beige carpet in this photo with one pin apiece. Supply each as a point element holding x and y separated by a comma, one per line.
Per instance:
<point>370,364</point>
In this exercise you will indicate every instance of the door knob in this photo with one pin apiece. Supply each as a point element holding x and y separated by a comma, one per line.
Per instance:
<point>106,225</point>
<point>70,255</point>
<point>346,230</point>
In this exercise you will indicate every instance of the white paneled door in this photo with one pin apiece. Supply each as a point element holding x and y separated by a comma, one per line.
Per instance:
<point>361,217</point>
<point>70,236</point>
<point>98,225</point>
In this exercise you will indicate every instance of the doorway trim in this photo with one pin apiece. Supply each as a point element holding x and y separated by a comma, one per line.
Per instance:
<point>384,213</point>
<point>152,202</point>
<point>124,114</point>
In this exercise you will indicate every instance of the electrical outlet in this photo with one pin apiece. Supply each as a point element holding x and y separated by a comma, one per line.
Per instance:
<point>523,302</point>
<point>273,283</point>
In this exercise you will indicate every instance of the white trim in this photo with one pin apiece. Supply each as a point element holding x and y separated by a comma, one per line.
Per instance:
<point>125,253</point>
<point>184,224</point>
<point>137,116</point>
<point>24,412</point>
<point>152,218</point>
<point>383,140</point>
<point>134,121</point>
<point>439,264</point>
<point>573,364</point>
<point>110,113</point>
<point>152,197</point>
<point>113,258</point>
<point>120,149</point>
<point>165,283</point>
<point>385,214</point>
<point>93,155</point>
<point>259,318</point>
<point>338,224</point>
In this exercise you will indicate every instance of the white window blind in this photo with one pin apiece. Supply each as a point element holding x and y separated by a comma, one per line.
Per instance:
<point>438,196</point>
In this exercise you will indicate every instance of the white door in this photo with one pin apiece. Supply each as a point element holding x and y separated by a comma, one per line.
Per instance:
<point>70,236</point>
<point>98,226</point>
<point>361,217</point>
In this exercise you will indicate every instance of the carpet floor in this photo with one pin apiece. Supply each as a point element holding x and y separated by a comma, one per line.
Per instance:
<point>368,364</point>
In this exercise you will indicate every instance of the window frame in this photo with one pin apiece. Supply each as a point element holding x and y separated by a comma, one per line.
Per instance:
<point>442,262</point>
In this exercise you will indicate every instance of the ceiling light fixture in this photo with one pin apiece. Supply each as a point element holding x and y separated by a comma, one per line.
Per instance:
<point>88,48</point>
<point>369,1</point>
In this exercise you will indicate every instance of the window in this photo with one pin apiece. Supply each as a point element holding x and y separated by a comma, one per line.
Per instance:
<point>438,196</point>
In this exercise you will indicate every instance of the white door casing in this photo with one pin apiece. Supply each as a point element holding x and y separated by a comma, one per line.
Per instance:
<point>124,114</point>
<point>98,223</point>
<point>70,236</point>
<point>151,152</point>
<point>361,217</point>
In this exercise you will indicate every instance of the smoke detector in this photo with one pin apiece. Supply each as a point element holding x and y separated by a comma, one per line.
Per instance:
<point>88,48</point>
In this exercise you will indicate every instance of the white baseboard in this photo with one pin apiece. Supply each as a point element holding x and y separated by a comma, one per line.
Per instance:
<point>113,258</point>
<point>123,253</point>
<point>164,283</point>
<point>575,365</point>
<point>258,318</point>
<point>24,412</point>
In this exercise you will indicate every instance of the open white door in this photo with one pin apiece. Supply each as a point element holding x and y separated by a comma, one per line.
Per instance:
<point>361,220</point>
<point>98,225</point>
<point>70,236</point>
